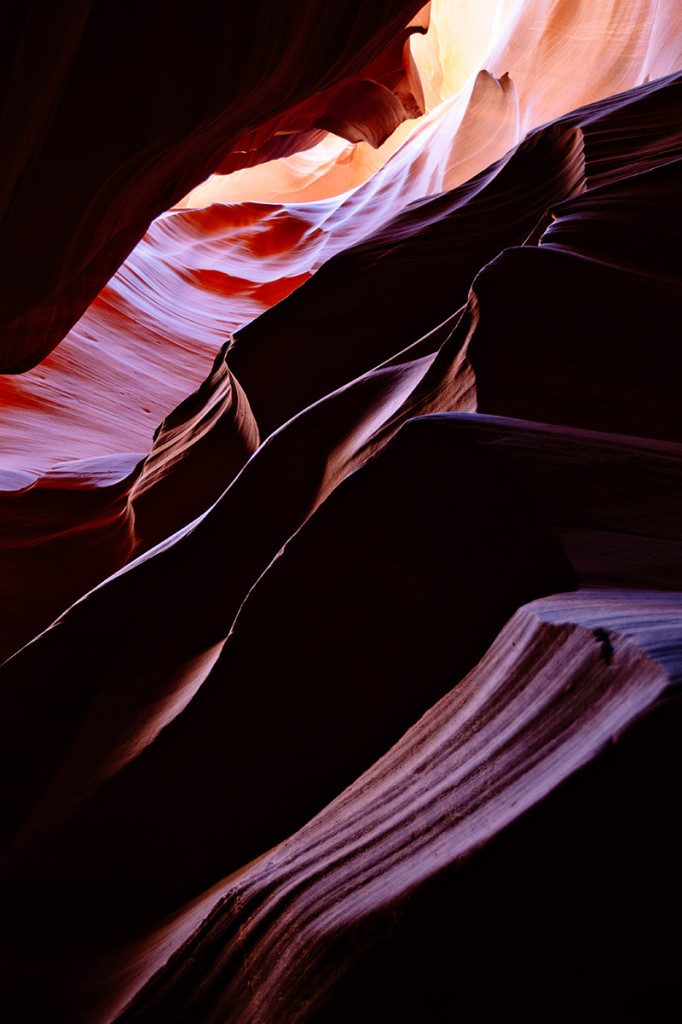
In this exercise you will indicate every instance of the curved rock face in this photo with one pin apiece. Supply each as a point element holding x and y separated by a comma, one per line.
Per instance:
<point>133,99</point>
<point>369,884</point>
<point>340,539</point>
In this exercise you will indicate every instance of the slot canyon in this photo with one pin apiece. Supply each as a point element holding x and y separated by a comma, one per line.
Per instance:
<point>341,511</point>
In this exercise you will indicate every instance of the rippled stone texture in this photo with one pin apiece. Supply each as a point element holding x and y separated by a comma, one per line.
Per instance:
<point>375,488</point>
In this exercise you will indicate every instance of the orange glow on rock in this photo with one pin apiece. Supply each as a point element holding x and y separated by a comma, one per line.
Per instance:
<point>341,520</point>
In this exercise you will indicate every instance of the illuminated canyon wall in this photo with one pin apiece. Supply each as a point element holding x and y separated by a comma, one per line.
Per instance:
<point>341,510</point>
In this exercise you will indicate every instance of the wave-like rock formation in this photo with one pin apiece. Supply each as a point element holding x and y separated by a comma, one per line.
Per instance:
<point>341,537</point>
<point>364,905</point>
<point>144,109</point>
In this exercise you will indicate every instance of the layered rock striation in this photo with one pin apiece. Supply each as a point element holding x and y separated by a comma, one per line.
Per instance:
<point>341,544</point>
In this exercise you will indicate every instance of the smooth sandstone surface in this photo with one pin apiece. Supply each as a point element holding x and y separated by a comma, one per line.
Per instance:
<point>340,504</point>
